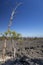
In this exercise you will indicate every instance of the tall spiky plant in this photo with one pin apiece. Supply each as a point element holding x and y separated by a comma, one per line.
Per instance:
<point>11,18</point>
<point>10,22</point>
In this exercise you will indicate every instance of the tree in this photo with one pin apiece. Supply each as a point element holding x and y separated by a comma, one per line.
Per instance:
<point>4,37</point>
<point>4,46</point>
<point>15,37</point>
<point>6,33</point>
<point>14,34</point>
<point>19,38</point>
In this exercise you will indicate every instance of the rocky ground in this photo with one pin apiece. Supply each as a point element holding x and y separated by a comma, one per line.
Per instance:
<point>28,52</point>
<point>24,61</point>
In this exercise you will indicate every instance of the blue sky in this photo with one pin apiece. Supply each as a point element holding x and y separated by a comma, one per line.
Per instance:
<point>28,19</point>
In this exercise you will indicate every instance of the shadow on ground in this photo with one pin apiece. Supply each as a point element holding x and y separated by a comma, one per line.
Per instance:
<point>24,61</point>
